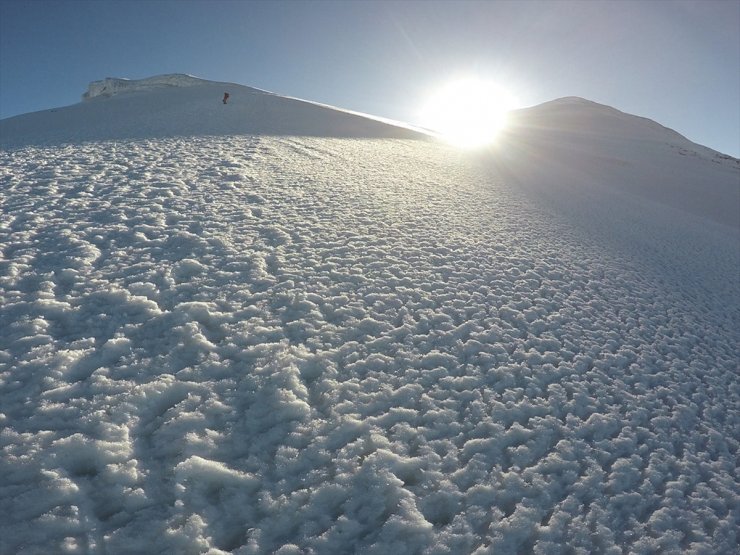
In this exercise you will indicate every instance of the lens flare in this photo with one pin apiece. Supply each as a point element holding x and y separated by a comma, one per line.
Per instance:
<point>468,112</point>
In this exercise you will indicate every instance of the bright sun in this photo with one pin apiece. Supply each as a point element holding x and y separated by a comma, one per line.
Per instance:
<point>468,112</point>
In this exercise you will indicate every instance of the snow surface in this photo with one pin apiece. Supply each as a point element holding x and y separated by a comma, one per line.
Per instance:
<point>181,105</point>
<point>282,344</point>
<point>590,145</point>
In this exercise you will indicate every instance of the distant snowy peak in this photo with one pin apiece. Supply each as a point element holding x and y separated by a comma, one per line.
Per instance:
<point>585,144</point>
<point>584,123</point>
<point>111,86</point>
<point>577,115</point>
<point>574,101</point>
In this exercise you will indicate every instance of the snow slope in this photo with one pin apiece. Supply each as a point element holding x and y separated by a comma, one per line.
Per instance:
<point>302,344</point>
<point>181,105</point>
<point>583,144</point>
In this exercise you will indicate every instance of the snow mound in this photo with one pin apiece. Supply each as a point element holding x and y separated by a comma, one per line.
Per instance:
<point>572,144</point>
<point>179,105</point>
<point>111,85</point>
<point>573,114</point>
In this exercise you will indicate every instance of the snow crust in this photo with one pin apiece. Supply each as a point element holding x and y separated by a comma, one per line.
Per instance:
<point>279,344</point>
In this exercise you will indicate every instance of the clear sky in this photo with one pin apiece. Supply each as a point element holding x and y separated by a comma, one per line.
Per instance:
<point>677,62</point>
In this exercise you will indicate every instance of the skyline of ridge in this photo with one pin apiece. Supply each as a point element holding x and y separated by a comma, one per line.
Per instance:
<point>674,62</point>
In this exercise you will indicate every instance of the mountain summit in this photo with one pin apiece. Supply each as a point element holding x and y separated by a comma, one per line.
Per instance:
<point>178,105</point>
<point>582,145</point>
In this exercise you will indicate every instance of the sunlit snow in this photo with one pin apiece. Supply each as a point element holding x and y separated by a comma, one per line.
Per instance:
<point>250,340</point>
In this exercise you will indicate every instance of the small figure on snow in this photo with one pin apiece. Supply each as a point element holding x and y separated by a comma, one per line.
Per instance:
<point>226,97</point>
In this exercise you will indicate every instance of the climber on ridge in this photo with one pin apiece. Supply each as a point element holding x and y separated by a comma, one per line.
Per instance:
<point>226,97</point>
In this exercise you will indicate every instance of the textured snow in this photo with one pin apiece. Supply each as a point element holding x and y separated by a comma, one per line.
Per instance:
<point>280,344</point>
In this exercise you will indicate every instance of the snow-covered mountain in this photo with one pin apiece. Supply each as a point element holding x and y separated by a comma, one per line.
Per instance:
<point>276,327</point>
<point>587,145</point>
<point>182,105</point>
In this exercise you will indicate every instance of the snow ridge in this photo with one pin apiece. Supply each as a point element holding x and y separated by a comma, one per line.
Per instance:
<point>180,105</point>
<point>573,143</point>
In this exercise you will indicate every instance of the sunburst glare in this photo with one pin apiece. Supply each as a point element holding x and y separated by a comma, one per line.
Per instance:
<point>468,112</point>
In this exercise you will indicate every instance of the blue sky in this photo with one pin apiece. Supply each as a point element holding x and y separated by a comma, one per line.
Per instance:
<point>672,61</point>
